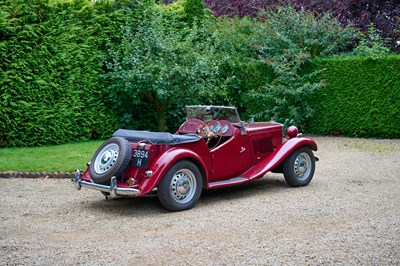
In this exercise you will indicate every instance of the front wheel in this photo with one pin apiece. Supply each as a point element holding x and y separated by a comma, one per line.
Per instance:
<point>299,167</point>
<point>181,186</point>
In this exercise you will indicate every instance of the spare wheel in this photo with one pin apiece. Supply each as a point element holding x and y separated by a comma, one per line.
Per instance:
<point>110,159</point>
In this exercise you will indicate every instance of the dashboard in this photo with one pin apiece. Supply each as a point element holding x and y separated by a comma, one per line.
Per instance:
<point>192,127</point>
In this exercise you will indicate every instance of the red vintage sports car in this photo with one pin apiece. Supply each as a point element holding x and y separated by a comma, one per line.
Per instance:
<point>213,148</point>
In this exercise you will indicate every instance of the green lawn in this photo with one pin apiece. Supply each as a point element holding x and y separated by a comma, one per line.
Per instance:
<point>60,158</point>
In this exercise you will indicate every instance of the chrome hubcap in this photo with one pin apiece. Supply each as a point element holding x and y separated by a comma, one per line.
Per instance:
<point>183,186</point>
<point>106,158</point>
<point>302,166</point>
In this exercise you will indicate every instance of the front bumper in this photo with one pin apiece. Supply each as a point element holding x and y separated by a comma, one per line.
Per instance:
<point>112,189</point>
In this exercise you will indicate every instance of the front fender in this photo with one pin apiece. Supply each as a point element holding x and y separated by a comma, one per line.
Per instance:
<point>278,156</point>
<point>164,162</point>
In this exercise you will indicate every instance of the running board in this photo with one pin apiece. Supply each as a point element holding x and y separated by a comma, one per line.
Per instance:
<point>229,182</point>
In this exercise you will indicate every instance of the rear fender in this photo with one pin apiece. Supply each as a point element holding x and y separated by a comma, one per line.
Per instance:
<point>278,156</point>
<point>164,163</point>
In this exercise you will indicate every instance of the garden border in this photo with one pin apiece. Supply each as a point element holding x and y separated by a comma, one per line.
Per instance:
<point>44,175</point>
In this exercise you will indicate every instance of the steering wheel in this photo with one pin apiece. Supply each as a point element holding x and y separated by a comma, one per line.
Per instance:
<point>209,130</point>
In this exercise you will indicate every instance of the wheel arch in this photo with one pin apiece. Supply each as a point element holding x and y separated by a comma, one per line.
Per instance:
<point>279,167</point>
<point>274,161</point>
<point>166,161</point>
<point>200,167</point>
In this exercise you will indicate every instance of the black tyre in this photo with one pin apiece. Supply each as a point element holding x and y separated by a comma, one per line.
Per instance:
<point>299,167</point>
<point>181,187</point>
<point>110,159</point>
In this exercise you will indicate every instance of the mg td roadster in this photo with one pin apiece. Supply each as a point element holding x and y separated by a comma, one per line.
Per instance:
<point>213,148</point>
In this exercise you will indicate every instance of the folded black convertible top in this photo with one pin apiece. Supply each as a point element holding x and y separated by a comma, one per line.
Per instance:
<point>155,137</point>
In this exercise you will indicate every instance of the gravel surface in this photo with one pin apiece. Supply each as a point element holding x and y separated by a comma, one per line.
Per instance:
<point>348,215</point>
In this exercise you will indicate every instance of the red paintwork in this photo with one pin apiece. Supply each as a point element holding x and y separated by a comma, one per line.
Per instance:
<point>246,154</point>
<point>166,160</point>
<point>278,156</point>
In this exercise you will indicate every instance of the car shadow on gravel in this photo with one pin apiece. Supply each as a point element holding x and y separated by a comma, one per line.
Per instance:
<point>127,206</point>
<point>260,186</point>
<point>149,205</point>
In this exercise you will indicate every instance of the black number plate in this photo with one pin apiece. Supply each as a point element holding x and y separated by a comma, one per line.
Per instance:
<point>140,158</point>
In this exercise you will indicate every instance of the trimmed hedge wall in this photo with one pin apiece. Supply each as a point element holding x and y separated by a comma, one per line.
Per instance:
<point>51,90</point>
<point>361,98</point>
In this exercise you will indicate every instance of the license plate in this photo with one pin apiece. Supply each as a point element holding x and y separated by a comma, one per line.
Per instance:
<point>140,158</point>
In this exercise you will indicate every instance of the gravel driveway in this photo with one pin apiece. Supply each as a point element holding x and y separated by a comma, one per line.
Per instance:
<point>348,215</point>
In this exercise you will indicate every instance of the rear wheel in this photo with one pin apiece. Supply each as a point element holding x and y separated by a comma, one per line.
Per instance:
<point>110,159</point>
<point>181,186</point>
<point>299,167</point>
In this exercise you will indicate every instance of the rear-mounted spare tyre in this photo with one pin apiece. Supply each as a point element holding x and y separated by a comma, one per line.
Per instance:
<point>110,159</point>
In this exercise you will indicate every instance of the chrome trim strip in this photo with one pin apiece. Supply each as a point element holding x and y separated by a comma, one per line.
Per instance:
<point>112,188</point>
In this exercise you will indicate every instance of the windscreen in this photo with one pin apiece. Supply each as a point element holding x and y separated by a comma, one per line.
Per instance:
<point>207,113</point>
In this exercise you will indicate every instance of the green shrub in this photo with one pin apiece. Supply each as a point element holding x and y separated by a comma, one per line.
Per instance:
<point>160,66</point>
<point>315,34</point>
<point>236,37</point>
<point>361,97</point>
<point>174,11</point>
<point>287,41</point>
<point>194,10</point>
<point>372,45</point>
<point>235,54</point>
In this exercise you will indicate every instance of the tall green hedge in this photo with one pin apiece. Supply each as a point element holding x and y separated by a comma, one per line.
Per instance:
<point>361,97</point>
<point>53,90</point>
<point>51,61</point>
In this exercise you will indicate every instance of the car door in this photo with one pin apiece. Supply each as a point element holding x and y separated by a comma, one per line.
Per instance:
<point>231,158</point>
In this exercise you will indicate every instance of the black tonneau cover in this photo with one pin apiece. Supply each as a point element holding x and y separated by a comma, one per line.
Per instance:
<point>155,137</point>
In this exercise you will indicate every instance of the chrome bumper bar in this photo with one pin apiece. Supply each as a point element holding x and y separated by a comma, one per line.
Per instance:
<point>112,188</point>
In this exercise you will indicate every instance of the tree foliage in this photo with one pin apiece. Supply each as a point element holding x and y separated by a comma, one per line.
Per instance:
<point>161,65</point>
<point>372,45</point>
<point>287,41</point>
<point>360,13</point>
<point>194,10</point>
